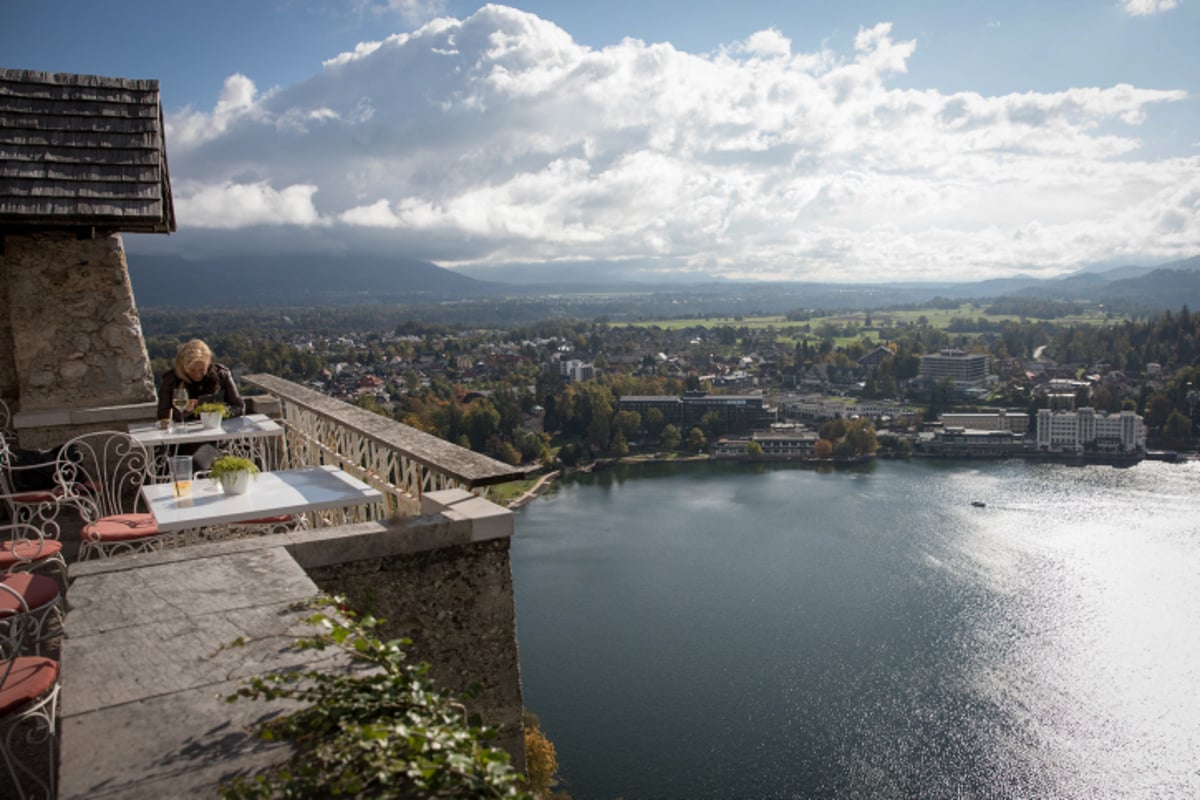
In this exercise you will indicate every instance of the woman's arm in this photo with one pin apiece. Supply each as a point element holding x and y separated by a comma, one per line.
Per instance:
<point>233,400</point>
<point>165,390</point>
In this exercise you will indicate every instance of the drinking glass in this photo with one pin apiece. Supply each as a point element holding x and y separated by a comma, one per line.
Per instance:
<point>180,401</point>
<point>181,475</point>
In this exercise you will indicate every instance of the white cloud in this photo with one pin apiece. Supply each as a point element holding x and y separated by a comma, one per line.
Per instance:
<point>242,205</point>
<point>1142,8</point>
<point>498,138</point>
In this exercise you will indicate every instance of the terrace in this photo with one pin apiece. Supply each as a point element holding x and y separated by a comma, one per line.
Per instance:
<point>147,649</point>
<point>147,657</point>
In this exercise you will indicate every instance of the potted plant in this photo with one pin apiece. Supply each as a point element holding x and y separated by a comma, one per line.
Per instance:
<point>212,413</point>
<point>234,473</point>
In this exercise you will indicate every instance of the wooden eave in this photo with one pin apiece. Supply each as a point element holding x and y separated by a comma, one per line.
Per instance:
<point>82,153</point>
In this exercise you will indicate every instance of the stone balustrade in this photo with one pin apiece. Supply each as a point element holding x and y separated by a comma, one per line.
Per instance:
<point>398,460</point>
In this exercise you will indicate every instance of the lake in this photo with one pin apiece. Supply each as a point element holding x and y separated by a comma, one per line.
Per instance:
<point>722,630</point>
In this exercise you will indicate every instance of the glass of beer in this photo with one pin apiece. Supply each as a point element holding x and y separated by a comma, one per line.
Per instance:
<point>181,475</point>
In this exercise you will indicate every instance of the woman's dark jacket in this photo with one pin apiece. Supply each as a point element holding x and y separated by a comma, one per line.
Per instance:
<point>216,385</point>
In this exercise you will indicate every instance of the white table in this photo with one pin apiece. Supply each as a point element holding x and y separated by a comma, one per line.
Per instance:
<point>244,436</point>
<point>290,491</point>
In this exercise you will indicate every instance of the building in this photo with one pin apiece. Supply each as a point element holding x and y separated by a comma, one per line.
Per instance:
<point>83,160</point>
<point>573,370</point>
<point>1089,431</point>
<point>1015,421</point>
<point>734,411</point>
<point>784,444</point>
<point>973,443</point>
<point>965,369</point>
<point>875,357</point>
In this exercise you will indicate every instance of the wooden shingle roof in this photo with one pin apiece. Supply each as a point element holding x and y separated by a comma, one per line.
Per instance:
<point>82,152</point>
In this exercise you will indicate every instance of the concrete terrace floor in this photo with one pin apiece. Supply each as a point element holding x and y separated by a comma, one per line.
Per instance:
<point>149,658</point>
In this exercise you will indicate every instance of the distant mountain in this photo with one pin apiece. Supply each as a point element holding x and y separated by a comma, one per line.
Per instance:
<point>1169,286</point>
<point>296,280</point>
<point>598,289</point>
<point>586,276</point>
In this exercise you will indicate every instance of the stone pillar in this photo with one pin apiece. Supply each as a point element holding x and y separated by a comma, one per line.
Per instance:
<point>76,339</point>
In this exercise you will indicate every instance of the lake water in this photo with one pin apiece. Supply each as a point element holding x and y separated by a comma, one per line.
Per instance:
<point>711,630</point>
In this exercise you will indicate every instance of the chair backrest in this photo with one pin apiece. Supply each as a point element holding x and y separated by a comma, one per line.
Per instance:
<point>101,473</point>
<point>27,542</point>
<point>12,631</point>
<point>6,428</point>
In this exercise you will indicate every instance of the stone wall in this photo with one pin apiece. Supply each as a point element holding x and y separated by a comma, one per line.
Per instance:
<point>76,335</point>
<point>10,387</point>
<point>70,335</point>
<point>456,605</point>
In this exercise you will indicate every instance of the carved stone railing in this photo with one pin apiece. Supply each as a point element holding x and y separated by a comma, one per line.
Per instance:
<point>398,460</point>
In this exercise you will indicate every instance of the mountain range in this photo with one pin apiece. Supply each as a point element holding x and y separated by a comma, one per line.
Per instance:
<point>313,280</point>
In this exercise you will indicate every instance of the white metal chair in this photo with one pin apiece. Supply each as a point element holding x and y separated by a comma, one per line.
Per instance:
<point>34,602</point>
<point>28,490</point>
<point>101,474</point>
<point>28,710</point>
<point>25,547</point>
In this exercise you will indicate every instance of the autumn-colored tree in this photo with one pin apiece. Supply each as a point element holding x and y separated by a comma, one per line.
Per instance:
<point>822,449</point>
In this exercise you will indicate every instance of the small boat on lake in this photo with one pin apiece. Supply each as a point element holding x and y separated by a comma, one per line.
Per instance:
<point>978,503</point>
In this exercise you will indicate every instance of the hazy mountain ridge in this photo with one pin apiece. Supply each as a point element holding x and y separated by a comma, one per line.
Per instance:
<point>609,290</point>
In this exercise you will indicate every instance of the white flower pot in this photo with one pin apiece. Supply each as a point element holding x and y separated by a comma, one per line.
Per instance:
<point>238,483</point>
<point>210,419</point>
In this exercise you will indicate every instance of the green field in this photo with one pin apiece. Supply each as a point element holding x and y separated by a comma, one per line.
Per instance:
<point>933,317</point>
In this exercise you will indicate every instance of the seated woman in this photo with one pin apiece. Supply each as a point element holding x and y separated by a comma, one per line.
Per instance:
<point>204,379</point>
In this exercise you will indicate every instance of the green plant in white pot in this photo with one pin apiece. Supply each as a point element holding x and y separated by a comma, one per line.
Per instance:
<point>212,413</point>
<point>234,473</point>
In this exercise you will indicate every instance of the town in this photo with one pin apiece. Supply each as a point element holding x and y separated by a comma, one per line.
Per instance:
<point>570,392</point>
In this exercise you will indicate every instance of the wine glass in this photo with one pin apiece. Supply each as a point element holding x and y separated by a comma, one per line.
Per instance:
<point>180,401</point>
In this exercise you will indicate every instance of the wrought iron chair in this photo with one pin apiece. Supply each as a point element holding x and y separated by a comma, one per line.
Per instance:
<point>101,475</point>
<point>25,547</point>
<point>25,504</point>
<point>6,429</point>
<point>34,603</point>
<point>28,709</point>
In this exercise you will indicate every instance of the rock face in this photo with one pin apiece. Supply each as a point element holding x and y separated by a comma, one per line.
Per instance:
<point>70,335</point>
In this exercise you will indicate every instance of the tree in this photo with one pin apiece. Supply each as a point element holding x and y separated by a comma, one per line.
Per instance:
<point>655,422</point>
<point>754,449</point>
<point>696,440</point>
<point>860,435</point>
<point>671,438</point>
<point>822,449</point>
<point>1178,430</point>
<point>629,423</point>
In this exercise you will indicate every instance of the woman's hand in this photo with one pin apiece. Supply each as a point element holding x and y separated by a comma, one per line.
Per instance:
<point>191,406</point>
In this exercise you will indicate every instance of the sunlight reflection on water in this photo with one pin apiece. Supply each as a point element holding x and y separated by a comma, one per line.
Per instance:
<point>867,634</point>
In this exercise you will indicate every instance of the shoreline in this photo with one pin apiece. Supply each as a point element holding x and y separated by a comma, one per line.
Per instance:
<point>601,464</point>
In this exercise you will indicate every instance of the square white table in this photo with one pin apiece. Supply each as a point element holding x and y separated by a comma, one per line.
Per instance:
<point>289,491</point>
<point>244,436</point>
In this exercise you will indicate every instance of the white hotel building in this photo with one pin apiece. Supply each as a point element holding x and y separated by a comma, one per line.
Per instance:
<point>1086,430</point>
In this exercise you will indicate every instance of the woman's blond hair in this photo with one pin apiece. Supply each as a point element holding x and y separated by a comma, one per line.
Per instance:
<point>193,352</point>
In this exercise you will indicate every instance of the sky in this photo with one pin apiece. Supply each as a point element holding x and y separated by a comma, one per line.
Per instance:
<point>848,141</point>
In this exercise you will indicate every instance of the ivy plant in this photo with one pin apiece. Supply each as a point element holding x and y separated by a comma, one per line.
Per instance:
<point>377,729</point>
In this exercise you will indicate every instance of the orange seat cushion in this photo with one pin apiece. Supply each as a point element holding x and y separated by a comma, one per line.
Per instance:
<point>121,527</point>
<point>12,553</point>
<point>282,519</point>
<point>31,498</point>
<point>37,591</point>
<point>31,678</point>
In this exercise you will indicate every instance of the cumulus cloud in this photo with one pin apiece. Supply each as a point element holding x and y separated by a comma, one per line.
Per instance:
<point>1142,8</point>
<point>498,138</point>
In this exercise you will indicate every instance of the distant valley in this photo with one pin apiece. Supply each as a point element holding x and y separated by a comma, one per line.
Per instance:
<point>532,293</point>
